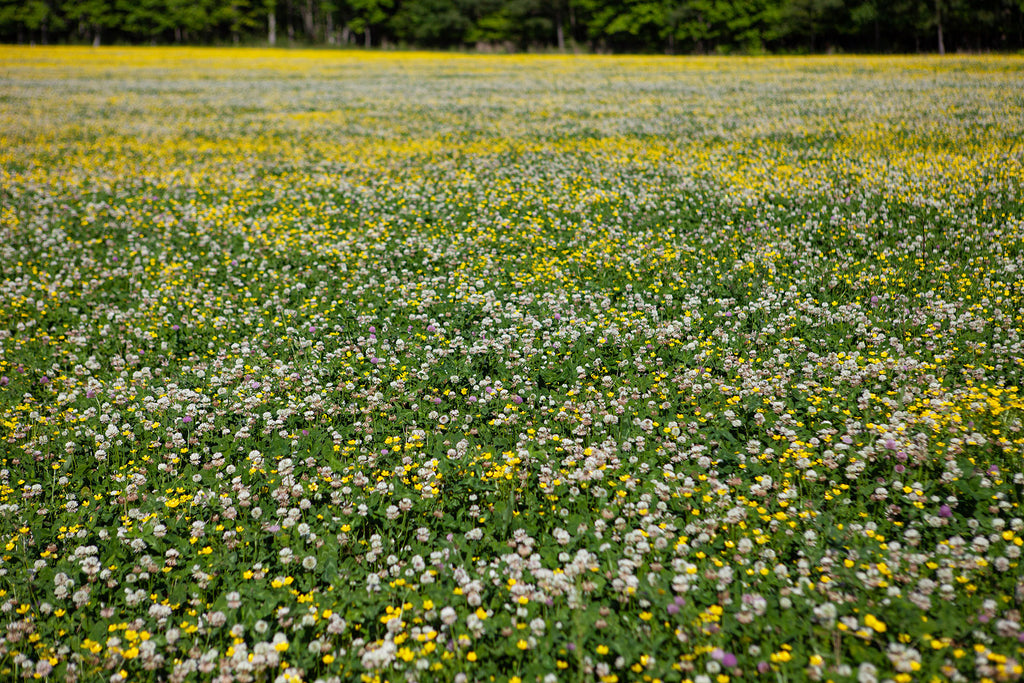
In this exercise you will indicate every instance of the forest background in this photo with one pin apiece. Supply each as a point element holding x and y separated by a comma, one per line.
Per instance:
<point>620,26</point>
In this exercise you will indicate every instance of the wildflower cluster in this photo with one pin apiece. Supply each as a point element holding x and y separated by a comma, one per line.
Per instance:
<point>324,367</point>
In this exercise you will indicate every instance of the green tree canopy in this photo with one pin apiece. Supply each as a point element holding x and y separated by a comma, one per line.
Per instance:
<point>673,26</point>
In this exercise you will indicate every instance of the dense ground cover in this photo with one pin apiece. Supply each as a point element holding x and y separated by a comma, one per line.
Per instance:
<point>418,367</point>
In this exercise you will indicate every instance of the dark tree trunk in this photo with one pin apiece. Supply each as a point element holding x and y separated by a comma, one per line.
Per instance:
<point>307,20</point>
<point>572,27</point>
<point>938,26</point>
<point>367,38</point>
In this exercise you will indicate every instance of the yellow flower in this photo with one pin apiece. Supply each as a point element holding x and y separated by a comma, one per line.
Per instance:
<point>872,622</point>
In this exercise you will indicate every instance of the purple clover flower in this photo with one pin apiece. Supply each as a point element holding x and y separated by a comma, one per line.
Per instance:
<point>727,659</point>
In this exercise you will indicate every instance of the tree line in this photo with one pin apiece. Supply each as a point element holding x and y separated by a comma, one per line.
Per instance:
<point>669,26</point>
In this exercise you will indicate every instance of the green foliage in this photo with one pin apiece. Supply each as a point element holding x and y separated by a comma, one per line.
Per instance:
<point>673,26</point>
<point>237,16</point>
<point>189,16</point>
<point>94,15</point>
<point>432,23</point>
<point>145,18</point>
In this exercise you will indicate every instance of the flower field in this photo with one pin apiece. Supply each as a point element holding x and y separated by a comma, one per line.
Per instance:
<point>418,367</point>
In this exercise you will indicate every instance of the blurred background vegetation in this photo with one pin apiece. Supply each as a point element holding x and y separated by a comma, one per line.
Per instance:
<point>646,26</point>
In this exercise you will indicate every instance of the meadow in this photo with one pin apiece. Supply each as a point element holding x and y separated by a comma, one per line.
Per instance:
<point>339,366</point>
